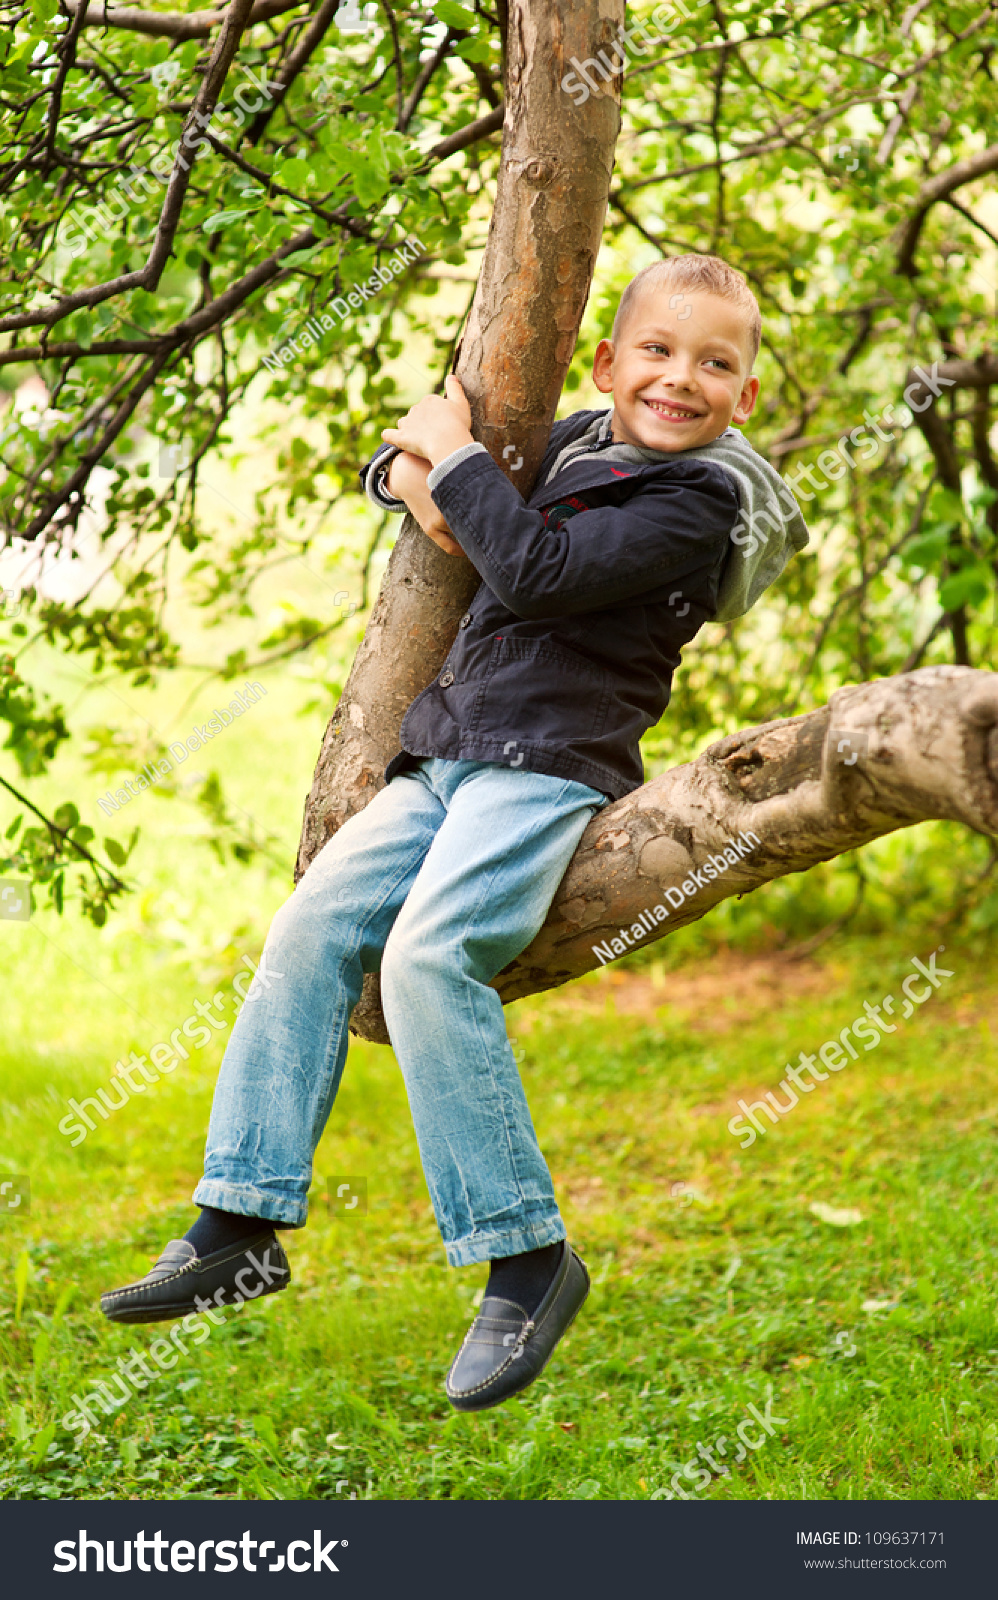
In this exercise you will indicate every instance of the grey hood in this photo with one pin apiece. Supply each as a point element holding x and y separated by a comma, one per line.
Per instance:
<point>770,526</point>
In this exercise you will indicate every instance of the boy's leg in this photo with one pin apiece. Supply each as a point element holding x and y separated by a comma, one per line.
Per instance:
<point>285,1057</point>
<point>481,894</point>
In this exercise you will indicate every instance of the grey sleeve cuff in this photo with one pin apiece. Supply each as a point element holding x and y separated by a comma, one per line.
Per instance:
<point>440,471</point>
<point>376,487</point>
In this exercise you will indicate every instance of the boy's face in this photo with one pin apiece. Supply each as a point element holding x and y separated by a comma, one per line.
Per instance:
<point>679,374</point>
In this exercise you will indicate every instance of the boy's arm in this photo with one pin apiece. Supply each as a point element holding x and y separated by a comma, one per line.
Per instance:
<point>406,481</point>
<point>675,530</point>
<point>395,480</point>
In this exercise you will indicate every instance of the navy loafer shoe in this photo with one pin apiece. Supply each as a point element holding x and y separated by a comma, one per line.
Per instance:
<point>182,1282</point>
<point>505,1349</point>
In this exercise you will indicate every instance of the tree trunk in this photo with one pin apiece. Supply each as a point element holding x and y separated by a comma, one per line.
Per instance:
<point>544,237</point>
<point>882,756</point>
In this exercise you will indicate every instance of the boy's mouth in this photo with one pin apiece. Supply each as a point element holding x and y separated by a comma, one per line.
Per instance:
<point>671,412</point>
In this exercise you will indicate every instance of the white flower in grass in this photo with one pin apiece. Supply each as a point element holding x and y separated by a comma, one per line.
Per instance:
<point>837,1216</point>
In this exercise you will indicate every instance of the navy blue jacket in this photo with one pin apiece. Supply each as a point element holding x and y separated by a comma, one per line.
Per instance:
<point>589,590</point>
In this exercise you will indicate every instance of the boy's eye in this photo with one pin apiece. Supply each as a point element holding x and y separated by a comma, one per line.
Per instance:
<point>657,349</point>
<point>718,361</point>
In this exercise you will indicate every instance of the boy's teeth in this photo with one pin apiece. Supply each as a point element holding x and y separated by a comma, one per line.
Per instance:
<point>669,411</point>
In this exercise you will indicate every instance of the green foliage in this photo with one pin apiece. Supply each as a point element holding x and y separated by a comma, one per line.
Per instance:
<point>795,142</point>
<point>714,1281</point>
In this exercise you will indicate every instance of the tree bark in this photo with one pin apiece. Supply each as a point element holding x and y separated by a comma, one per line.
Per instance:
<point>544,237</point>
<point>879,757</point>
<point>924,745</point>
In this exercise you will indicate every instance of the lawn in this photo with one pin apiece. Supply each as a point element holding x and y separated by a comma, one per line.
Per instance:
<point>866,1329</point>
<point>715,1286</point>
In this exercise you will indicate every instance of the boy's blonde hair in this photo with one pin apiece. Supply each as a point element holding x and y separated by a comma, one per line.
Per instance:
<point>709,275</point>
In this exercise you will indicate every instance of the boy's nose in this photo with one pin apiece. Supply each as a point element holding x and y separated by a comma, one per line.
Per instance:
<point>683,378</point>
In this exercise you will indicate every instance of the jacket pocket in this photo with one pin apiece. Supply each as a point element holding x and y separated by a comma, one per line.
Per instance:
<point>541,692</point>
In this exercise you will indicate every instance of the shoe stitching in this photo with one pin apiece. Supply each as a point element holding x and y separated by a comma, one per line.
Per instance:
<point>463,1393</point>
<point>561,1287</point>
<point>195,1264</point>
<point>494,1376</point>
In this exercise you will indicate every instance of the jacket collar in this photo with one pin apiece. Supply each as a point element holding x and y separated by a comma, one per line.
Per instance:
<point>595,470</point>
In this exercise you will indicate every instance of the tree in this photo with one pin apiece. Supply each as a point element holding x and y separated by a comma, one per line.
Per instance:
<point>185,194</point>
<point>649,843</point>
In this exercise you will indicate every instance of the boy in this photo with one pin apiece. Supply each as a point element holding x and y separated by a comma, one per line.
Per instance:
<point>563,660</point>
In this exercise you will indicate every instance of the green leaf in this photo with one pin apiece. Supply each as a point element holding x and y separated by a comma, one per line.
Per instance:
<point>267,1434</point>
<point>14,826</point>
<point>66,816</point>
<point>946,505</point>
<point>454,16</point>
<point>971,586</point>
<point>221,220</point>
<point>294,174</point>
<point>369,184</point>
<point>929,549</point>
<point>116,852</point>
<point>62,1304</point>
<point>298,258</point>
<point>40,1448</point>
<point>984,496</point>
<point>40,1350</point>
<point>21,1282</point>
<point>474,50</point>
<point>926,1292</point>
<point>128,1450</point>
<point>19,1424</point>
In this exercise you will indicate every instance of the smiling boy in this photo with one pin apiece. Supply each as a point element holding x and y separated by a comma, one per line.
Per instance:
<point>628,543</point>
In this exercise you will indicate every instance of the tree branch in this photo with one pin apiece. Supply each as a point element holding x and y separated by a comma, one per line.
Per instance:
<point>176,25</point>
<point>421,84</point>
<point>977,223</point>
<point>938,188</point>
<point>470,134</point>
<point>148,276</point>
<point>115,884</point>
<point>928,748</point>
<point>294,65</point>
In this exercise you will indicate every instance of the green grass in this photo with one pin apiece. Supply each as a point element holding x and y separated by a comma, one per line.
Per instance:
<point>714,1283</point>
<point>702,1302</point>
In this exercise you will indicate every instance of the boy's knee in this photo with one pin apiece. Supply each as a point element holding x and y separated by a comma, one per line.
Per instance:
<point>305,921</point>
<point>395,962</point>
<point>408,959</point>
<point>287,921</point>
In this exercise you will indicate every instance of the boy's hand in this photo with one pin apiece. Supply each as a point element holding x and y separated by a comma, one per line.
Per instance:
<point>435,426</point>
<point>406,481</point>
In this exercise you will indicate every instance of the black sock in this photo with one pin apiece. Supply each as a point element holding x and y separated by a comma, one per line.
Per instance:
<point>215,1230</point>
<point>525,1279</point>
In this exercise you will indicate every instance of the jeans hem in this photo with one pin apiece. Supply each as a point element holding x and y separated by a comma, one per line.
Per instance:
<point>491,1244</point>
<point>244,1200</point>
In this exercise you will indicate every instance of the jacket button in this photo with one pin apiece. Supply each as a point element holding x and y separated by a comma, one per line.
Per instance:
<point>446,679</point>
<point>465,620</point>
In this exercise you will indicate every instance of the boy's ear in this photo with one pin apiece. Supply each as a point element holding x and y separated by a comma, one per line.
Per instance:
<point>603,367</point>
<point>746,401</point>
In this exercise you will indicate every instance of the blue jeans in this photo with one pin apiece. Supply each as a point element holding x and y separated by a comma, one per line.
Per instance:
<point>439,882</point>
